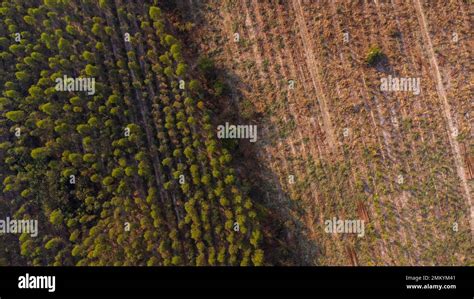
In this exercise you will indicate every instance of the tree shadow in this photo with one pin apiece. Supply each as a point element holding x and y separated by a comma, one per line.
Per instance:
<point>285,236</point>
<point>286,240</point>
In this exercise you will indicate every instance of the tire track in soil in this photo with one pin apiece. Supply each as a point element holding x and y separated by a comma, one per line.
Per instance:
<point>333,239</point>
<point>446,109</point>
<point>290,95</point>
<point>420,107</point>
<point>337,240</point>
<point>314,72</point>
<point>299,78</point>
<point>260,23</point>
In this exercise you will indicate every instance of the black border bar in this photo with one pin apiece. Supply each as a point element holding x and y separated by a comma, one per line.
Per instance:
<point>238,282</point>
